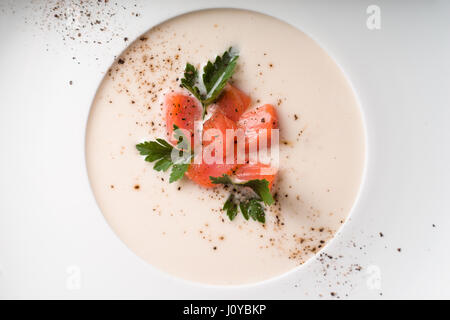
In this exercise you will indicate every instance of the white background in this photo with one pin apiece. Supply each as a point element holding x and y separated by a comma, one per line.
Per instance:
<point>55,243</point>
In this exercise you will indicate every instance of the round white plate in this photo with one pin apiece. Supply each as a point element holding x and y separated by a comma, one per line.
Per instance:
<point>55,243</point>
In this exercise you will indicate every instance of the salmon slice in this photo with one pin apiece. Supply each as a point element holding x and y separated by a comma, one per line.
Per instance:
<point>255,121</point>
<point>256,171</point>
<point>218,123</point>
<point>201,172</point>
<point>181,110</point>
<point>233,102</point>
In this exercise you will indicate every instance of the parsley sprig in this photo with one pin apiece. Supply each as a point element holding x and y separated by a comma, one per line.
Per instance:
<point>161,152</point>
<point>250,208</point>
<point>259,186</point>
<point>254,209</point>
<point>215,76</point>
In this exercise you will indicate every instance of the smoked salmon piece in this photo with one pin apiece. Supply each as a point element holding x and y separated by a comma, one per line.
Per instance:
<point>256,171</point>
<point>220,122</point>
<point>200,172</point>
<point>229,113</point>
<point>181,110</point>
<point>255,121</point>
<point>233,102</point>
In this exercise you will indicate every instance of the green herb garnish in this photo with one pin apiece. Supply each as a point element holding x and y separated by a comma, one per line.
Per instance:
<point>259,186</point>
<point>190,81</point>
<point>161,152</point>
<point>215,76</point>
<point>250,208</point>
<point>254,209</point>
<point>230,207</point>
<point>178,171</point>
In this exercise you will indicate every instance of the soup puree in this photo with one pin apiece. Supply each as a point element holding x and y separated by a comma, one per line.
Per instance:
<point>180,227</point>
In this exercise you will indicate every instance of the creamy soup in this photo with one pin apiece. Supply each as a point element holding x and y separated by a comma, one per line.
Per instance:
<point>180,227</point>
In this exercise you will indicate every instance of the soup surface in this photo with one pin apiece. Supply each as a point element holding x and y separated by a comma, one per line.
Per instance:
<point>180,227</point>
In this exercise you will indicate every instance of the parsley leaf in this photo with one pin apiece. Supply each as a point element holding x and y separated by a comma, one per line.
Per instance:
<point>178,171</point>
<point>256,210</point>
<point>155,150</point>
<point>250,208</point>
<point>160,151</point>
<point>190,81</point>
<point>230,207</point>
<point>215,76</point>
<point>162,164</point>
<point>260,187</point>
<point>244,209</point>
<point>253,208</point>
<point>224,179</point>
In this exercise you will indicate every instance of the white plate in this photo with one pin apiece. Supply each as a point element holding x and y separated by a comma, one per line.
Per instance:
<point>54,242</point>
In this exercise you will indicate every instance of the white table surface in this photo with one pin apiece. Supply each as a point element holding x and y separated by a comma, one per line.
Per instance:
<point>52,234</point>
